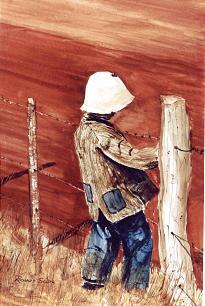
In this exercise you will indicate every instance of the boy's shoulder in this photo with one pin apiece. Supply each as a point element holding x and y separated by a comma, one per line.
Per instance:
<point>103,128</point>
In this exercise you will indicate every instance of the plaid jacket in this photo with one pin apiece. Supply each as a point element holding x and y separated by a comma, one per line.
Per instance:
<point>112,170</point>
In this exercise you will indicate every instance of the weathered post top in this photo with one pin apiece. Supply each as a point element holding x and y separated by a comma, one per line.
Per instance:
<point>31,101</point>
<point>171,99</point>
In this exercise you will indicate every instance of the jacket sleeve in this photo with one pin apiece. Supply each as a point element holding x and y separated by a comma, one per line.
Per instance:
<point>115,146</point>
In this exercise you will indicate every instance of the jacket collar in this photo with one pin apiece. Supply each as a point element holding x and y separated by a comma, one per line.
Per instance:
<point>98,118</point>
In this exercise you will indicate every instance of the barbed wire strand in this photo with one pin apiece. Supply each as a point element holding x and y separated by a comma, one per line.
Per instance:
<point>5,100</point>
<point>42,172</point>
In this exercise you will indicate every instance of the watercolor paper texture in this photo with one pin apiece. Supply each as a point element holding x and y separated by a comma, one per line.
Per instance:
<point>48,51</point>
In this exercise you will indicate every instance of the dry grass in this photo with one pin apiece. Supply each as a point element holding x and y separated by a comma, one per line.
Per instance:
<point>59,283</point>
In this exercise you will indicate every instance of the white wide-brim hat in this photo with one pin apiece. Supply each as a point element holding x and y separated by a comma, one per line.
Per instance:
<point>105,93</point>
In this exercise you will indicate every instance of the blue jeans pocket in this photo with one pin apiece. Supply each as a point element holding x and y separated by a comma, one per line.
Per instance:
<point>114,201</point>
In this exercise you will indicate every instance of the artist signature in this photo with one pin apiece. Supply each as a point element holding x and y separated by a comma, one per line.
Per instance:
<point>28,279</point>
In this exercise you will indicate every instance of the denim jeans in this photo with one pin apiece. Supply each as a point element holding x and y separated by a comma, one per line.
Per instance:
<point>134,234</point>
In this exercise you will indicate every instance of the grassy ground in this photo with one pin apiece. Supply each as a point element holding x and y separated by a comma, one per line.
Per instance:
<point>59,283</point>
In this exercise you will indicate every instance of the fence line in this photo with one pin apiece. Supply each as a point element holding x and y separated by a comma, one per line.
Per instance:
<point>5,100</point>
<point>61,180</point>
<point>147,136</point>
<point>46,174</point>
<point>142,135</point>
<point>12,161</point>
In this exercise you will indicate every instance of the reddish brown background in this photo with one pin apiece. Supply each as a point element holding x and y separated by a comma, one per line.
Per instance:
<point>49,49</point>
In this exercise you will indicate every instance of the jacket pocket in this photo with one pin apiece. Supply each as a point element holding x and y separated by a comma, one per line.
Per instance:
<point>146,190</point>
<point>114,201</point>
<point>88,192</point>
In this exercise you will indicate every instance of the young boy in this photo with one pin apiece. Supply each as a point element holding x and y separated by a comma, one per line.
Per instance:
<point>117,189</point>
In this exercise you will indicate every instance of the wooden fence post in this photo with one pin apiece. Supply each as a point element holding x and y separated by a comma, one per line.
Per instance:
<point>175,173</point>
<point>33,185</point>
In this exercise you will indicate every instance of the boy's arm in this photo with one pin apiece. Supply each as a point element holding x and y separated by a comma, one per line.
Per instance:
<point>116,147</point>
